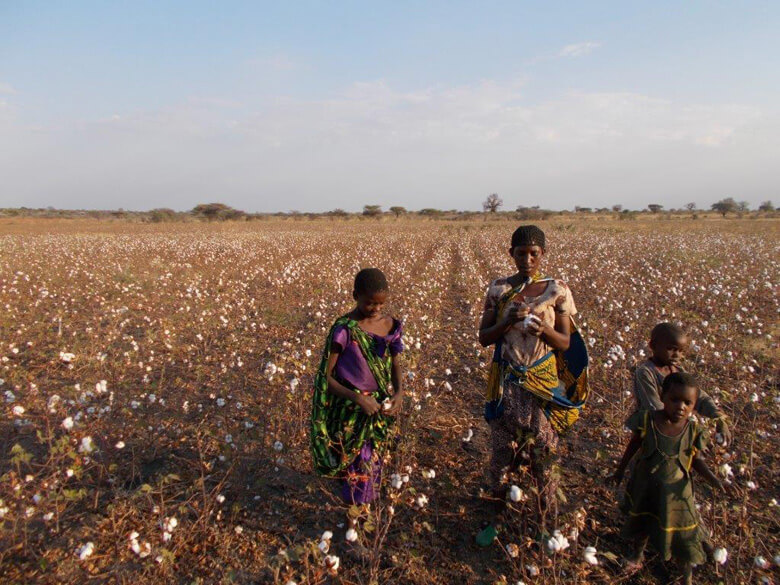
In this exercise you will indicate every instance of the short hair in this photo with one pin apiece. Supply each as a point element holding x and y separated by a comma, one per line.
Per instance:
<point>369,281</point>
<point>666,332</point>
<point>528,235</point>
<point>679,379</point>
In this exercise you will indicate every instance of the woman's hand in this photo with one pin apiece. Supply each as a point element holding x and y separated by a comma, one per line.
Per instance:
<point>722,427</point>
<point>368,403</point>
<point>516,313</point>
<point>537,328</point>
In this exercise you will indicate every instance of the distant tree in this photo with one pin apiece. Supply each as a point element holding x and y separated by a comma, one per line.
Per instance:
<point>743,206</point>
<point>617,208</point>
<point>690,206</point>
<point>766,206</point>
<point>579,209</point>
<point>532,213</point>
<point>725,206</point>
<point>162,214</point>
<point>397,210</point>
<point>216,211</point>
<point>338,212</point>
<point>430,211</point>
<point>492,203</point>
<point>655,208</point>
<point>372,210</point>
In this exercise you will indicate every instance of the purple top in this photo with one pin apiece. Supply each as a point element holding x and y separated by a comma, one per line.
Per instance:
<point>351,367</point>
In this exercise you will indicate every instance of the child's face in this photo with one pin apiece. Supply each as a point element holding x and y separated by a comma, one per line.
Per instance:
<point>528,259</point>
<point>679,401</point>
<point>371,304</point>
<point>669,352</point>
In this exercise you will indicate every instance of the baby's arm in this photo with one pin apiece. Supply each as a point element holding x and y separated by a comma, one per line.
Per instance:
<point>367,403</point>
<point>631,449</point>
<point>703,469</point>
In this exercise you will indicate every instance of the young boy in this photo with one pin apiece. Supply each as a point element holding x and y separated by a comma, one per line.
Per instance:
<point>668,344</point>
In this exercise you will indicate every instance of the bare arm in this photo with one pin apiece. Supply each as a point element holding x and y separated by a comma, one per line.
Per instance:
<point>631,449</point>
<point>703,469</point>
<point>491,331</point>
<point>396,402</point>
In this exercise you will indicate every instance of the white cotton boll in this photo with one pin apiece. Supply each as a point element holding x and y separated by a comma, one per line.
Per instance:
<point>469,435</point>
<point>515,494</point>
<point>48,516</point>
<point>220,402</point>
<point>324,546</point>
<point>387,404</point>
<point>754,397</point>
<point>761,562</point>
<point>67,423</point>
<point>396,482</point>
<point>531,319</point>
<point>720,555</point>
<point>86,446</point>
<point>351,535</point>
<point>513,550</point>
<point>752,485</point>
<point>133,536</point>
<point>405,478</point>
<point>726,471</point>
<point>120,445</point>
<point>428,473</point>
<point>532,570</point>
<point>166,536</point>
<point>86,550</point>
<point>18,410</point>
<point>278,446</point>
<point>590,555</point>
<point>291,582</point>
<point>327,535</point>
<point>421,501</point>
<point>332,562</point>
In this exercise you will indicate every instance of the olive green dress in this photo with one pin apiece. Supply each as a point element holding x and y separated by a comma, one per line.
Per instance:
<point>659,495</point>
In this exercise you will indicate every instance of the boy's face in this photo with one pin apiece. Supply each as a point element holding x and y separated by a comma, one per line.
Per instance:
<point>370,305</point>
<point>528,259</point>
<point>679,401</point>
<point>669,352</point>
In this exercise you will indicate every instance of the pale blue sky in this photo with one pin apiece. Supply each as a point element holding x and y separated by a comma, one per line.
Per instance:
<point>317,105</point>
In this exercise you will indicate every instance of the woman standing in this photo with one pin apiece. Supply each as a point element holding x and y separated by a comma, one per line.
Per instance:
<point>538,378</point>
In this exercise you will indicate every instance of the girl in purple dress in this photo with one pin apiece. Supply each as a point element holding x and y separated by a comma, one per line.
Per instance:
<point>355,404</point>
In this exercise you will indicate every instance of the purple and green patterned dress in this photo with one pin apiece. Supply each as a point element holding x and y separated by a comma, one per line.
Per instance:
<point>345,442</point>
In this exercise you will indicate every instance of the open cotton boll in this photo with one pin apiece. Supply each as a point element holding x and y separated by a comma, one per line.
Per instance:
<point>761,562</point>
<point>428,473</point>
<point>720,555</point>
<point>351,535</point>
<point>590,555</point>
<point>327,535</point>
<point>396,482</point>
<point>86,550</point>
<point>387,404</point>
<point>515,494</point>
<point>324,546</point>
<point>332,562</point>
<point>421,501</point>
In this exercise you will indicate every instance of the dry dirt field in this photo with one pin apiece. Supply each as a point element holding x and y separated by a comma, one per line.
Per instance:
<point>156,387</point>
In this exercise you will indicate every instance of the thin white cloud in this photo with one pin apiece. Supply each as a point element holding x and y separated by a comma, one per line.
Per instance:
<point>578,49</point>
<point>7,89</point>
<point>429,147</point>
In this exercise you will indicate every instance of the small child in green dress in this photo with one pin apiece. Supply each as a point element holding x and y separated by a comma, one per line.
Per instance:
<point>659,496</point>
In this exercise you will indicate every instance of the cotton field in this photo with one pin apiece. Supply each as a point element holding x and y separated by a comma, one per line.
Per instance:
<point>155,384</point>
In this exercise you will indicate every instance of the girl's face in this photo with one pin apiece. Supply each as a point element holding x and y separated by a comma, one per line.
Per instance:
<point>679,401</point>
<point>528,259</point>
<point>370,305</point>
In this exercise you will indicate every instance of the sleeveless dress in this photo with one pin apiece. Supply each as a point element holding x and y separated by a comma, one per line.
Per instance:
<point>659,499</point>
